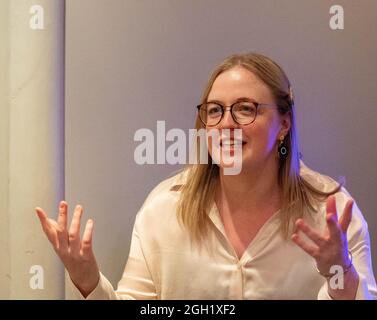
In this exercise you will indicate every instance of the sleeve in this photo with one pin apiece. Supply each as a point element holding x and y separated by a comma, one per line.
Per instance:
<point>136,281</point>
<point>359,246</point>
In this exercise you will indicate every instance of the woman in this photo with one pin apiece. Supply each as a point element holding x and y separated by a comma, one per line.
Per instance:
<point>276,230</point>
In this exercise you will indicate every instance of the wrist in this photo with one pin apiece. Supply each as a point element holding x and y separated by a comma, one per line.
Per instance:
<point>87,286</point>
<point>343,287</point>
<point>344,269</point>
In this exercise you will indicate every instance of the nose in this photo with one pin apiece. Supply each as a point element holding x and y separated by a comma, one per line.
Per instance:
<point>227,121</point>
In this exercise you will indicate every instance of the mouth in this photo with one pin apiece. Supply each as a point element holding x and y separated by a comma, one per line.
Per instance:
<point>232,143</point>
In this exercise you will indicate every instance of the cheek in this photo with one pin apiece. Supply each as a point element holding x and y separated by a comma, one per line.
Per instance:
<point>262,137</point>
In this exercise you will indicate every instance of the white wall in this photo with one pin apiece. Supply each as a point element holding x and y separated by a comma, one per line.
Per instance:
<point>31,146</point>
<point>4,146</point>
<point>131,63</point>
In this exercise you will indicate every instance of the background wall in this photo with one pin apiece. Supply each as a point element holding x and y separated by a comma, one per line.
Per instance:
<point>130,63</point>
<point>4,145</point>
<point>31,146</point>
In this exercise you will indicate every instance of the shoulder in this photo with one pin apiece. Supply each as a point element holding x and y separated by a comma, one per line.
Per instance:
<point>325,183</point>
<point>161,202</point>
<point>318,180</point>
<point>169,186</point>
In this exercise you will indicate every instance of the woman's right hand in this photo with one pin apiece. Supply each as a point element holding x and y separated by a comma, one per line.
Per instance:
<point>76,254</point>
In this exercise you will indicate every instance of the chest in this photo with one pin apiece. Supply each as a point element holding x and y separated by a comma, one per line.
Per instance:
<point>271,269</point>
<point>241,228</point>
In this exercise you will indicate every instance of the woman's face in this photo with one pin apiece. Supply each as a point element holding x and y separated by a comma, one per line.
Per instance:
<point>259,138</point>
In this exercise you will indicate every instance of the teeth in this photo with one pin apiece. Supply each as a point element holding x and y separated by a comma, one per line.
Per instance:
<point>231,143</point>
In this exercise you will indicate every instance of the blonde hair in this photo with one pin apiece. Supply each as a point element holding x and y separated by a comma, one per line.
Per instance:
<point>197,193</point>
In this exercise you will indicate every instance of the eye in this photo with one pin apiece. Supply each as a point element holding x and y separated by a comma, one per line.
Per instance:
<point>245,108</point>
<point>213,109</point>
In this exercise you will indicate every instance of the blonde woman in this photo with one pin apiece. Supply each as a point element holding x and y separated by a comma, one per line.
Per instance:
<point>276,230</point>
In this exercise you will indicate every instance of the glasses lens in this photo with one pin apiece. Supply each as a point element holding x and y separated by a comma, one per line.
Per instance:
<point>210,113</point>
<point>244,112</point>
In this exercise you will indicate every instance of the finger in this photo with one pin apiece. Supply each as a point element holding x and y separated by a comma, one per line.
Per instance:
<point>74,230</point>
<point>346,217</point>
<point>331,206</point>
<point>310,232</point>
<point>86,244</point>
<point>47,227</point>
<point>62,217</point>
<point>308,248</point>
<point>42,217</point>
<point>62,228</point>
<point>45,221</point>
<point>333,225</point>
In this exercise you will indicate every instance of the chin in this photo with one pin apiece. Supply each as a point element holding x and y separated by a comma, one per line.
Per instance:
<point>234,167</point>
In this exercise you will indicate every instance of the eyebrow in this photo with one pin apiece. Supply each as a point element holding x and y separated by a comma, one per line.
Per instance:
<point>241,99</point>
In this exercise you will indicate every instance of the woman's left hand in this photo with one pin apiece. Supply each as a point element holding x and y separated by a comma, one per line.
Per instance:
<point>331,248</point>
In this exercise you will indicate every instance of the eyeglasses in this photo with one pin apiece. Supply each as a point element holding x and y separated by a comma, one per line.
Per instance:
<point>243,112</point>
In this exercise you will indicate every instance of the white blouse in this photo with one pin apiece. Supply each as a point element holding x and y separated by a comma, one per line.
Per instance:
<point>164,264</point>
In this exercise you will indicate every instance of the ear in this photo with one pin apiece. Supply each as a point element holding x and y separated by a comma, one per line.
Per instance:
<point>285,123</point>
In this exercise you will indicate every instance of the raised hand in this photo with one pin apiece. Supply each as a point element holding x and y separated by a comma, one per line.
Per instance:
<point>76,254</point>
<point>331,248</point>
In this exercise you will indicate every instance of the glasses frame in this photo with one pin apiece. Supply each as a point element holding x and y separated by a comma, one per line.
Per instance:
<point>225,108</point>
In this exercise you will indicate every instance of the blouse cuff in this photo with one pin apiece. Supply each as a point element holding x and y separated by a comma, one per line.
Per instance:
<point>362,292</point>
<point>103,291</point>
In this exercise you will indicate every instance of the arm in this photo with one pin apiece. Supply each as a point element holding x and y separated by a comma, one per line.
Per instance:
<point>136,281</point>
<point>361,270</point>
<point>359,246</point>
<point>332,247</point>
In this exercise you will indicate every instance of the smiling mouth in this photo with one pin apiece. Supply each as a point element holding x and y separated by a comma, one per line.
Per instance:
<point>232,143</point>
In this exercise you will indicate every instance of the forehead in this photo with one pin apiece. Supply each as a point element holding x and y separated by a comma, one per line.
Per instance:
<point>239,82</point>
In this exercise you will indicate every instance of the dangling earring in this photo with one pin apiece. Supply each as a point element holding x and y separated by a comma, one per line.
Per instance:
<point>282,149</point>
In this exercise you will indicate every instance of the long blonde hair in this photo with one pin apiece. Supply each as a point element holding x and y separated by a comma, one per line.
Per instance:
<point>197,193</point>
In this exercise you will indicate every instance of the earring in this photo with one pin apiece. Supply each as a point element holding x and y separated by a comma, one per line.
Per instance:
<point>282,149</point>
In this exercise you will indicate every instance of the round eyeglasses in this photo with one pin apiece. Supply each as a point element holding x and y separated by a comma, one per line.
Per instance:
<point>243,112</point>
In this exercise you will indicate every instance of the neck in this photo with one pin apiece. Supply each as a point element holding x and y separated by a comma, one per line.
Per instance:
<point>251,189</point>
